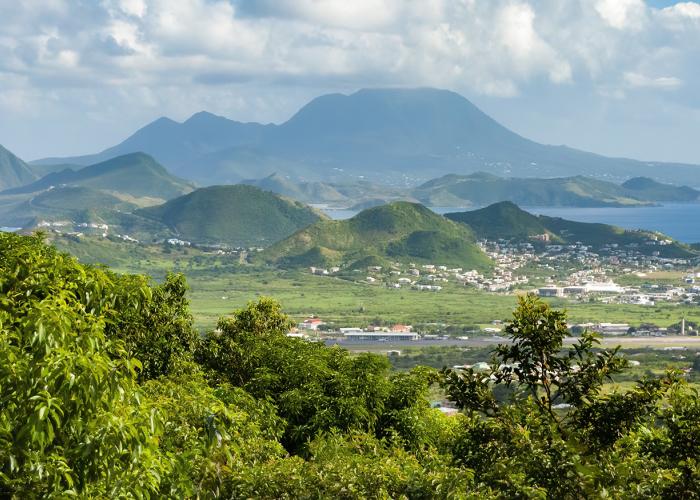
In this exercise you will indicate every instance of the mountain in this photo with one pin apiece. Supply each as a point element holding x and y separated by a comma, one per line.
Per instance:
<point>393,136</point>
<point>397,231</point>
<point>74,203</point>
<point>13,171</point>
<point>136,175</point>
<point>348,194</point>
<point>644,187</point>
<point>505,220</point>
<point>307,192</point>
<point>484,189</point>
<point>237,215</point>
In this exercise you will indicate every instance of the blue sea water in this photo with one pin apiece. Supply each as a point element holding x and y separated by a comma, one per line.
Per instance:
<point>678,220</point>
<point>681,221</point>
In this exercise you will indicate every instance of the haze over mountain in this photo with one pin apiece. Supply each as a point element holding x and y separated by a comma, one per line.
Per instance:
<point>395,136</point>
<point>234,215</point>
<point>397,231</point>
<point>13,171</point>
<point>505,220</point>
<point>134,174</point>
<point>91,194</point>
<point>579,191</point>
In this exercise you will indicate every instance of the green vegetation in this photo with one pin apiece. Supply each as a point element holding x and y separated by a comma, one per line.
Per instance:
<point>505,220</point>
<point>136,175</point>
<point>237,215</point>
<point>219,283</point>
<point>107,392</point>
<point>484,189</point>
<point>649,189</point>
<point>13,171</point>
<point>99,193</point>
<point>78,204</point>
<point>400,231</point>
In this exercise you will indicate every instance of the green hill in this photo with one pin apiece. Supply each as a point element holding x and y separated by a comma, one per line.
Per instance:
<point>134,175</point>
<point>398,231</point>
<point>13,171</point>
<point>483,189</point>
<point>238,215</point>
<point>75,203</point>
<point>501,220</point>
<point>646,188</point>
<point>307,192</point>
<point>506,220</point>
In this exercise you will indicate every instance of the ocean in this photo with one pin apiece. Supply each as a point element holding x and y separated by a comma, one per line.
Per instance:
<point>681,221</point>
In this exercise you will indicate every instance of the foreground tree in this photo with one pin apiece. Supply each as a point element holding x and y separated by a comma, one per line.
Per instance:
<point>70,419</point>
<point>557,426</point>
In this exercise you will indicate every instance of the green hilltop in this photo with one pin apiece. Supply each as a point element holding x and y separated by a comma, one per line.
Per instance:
<point>482,189</point>
<point>135,175</point>
<point>13,171</point>
<point>238,215</point>
<point>644,187</point>
<point>505,220</point>
<point>399,231</point>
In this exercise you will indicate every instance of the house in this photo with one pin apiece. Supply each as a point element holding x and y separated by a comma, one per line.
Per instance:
<point>398,328</point>
<point>310,324</point>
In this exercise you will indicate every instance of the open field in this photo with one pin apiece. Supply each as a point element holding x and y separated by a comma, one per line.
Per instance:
<point>220,284</point>
<point>355,304</point>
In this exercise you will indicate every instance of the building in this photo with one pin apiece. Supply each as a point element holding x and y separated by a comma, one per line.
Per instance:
<point>358,336</point>
<point>310,324</point>
<point>550,291</point>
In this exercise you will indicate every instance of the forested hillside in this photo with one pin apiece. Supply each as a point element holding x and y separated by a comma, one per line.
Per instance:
<point>107,391</point>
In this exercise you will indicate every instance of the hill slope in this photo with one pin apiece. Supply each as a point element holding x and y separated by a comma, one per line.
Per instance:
<point>484,189</point>
<point>307,192</point>
<point>506,220</point>
<point>646,188</point>
<point>388,135</point>
<point>137,175</point>
<point>237,215</point>
<point>398,231</point>
<point>13,171</point>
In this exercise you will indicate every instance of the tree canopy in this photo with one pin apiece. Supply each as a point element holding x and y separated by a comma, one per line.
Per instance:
<point>106,390</point>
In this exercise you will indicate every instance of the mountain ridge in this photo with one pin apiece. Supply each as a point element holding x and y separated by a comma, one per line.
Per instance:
<point>13,170</point>
<point>384,134</point>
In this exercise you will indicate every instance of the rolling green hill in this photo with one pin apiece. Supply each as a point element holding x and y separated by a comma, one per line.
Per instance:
<point>307,192</point>
<point>98,193</point>
<point>501,220</point>
<point>13,171</point>
<point>134,175</point>
<point>484,189</point>
<point>505,220</point>
<point>238,215</point>
<point>646,188</point>
<point>397,231</point>
<point>74,203</point>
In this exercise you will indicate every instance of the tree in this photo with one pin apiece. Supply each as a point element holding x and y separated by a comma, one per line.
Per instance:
<point>70,422</point>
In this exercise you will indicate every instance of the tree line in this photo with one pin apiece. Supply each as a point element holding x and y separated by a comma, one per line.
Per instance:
<point>107,390</point>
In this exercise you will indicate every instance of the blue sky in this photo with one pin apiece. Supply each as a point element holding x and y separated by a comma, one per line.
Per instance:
<point>618,77</point>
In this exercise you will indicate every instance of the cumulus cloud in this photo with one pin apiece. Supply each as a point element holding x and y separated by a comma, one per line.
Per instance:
<point>259,59</point>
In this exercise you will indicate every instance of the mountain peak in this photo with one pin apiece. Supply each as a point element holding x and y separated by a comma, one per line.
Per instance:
<point>204,117</point>
<point>13,171</point>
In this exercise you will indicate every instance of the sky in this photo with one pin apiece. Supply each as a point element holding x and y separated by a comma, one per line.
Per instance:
<point>617,77</point>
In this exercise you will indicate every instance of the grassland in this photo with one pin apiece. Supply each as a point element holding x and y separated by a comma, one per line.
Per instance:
<point>220,284</point>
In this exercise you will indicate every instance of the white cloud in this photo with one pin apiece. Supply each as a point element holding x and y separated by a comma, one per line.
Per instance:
<point>262,58</point>
<point>660,82</point>
<point>622,14</point>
